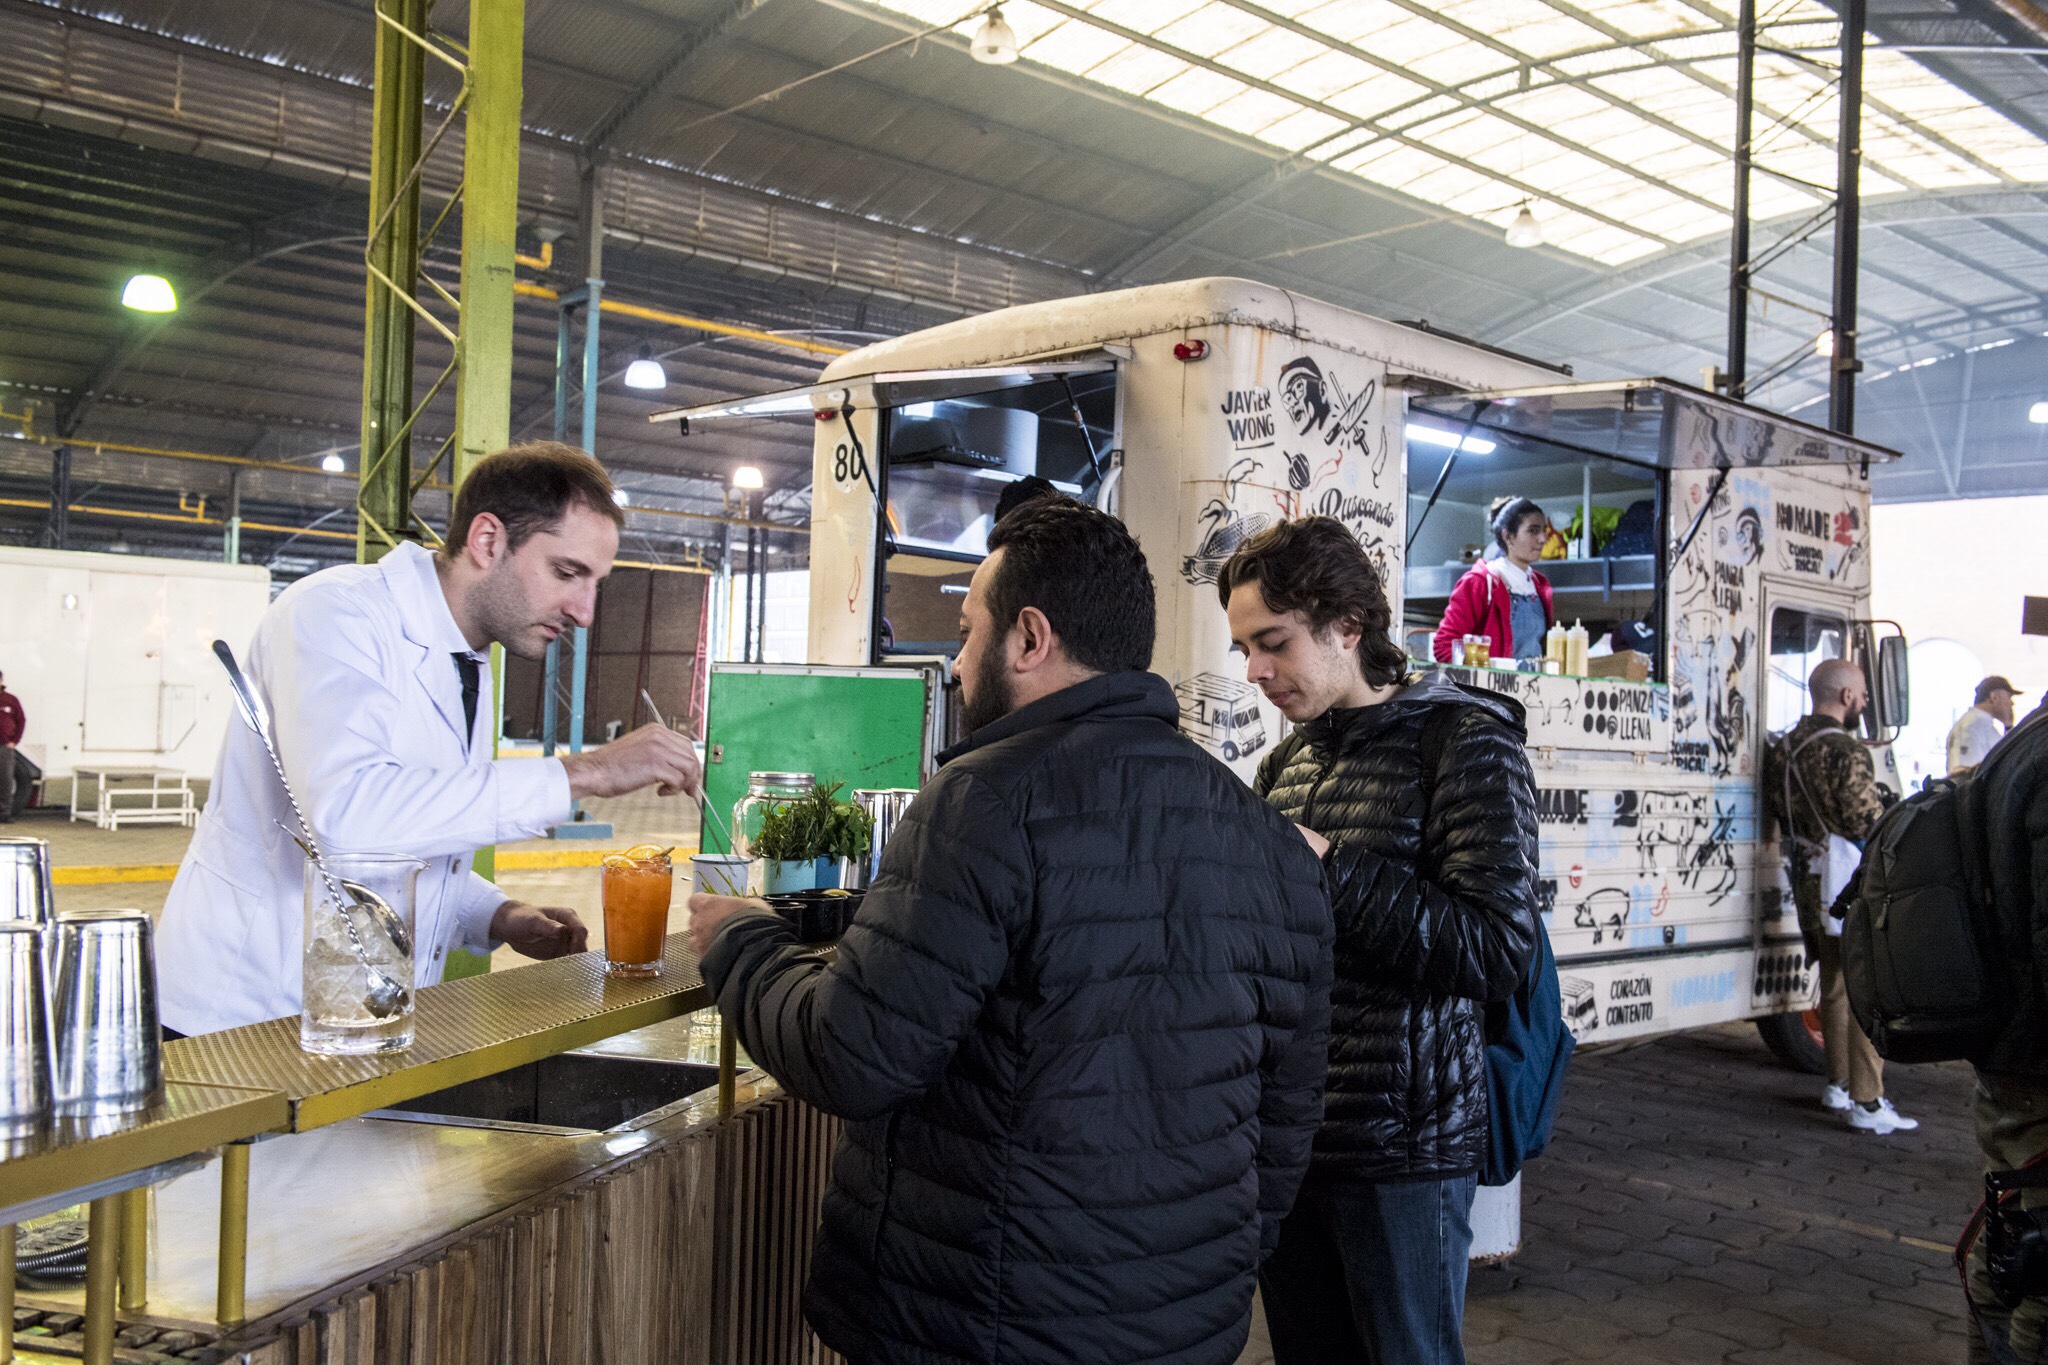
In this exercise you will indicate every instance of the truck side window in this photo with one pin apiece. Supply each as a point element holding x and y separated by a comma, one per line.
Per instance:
<point>1800,639</point>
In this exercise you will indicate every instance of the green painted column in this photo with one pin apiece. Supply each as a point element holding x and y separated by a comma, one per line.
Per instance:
<point>384,500</point>
<point>490,225</point>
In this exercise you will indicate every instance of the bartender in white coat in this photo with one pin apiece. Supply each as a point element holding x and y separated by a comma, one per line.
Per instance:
<point>378,682</point>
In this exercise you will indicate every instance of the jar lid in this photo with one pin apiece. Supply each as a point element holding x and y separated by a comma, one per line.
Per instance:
<point>804,780</point>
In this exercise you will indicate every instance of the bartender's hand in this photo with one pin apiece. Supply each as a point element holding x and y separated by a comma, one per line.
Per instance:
<point>651,756</point>
<point>1315,840</point>
<point>708,915</point>
<point>541,931</point>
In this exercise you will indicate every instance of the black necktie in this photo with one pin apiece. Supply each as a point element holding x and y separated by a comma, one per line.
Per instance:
<point>466,666</point>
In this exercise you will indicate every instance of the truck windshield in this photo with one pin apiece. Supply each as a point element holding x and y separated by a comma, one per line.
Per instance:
<point>1801,637</point>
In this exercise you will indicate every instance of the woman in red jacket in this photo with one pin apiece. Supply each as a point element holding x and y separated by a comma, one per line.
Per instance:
<point>1505,598</point>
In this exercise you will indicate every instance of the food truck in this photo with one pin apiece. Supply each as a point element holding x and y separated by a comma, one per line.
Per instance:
<point>1735,541</point>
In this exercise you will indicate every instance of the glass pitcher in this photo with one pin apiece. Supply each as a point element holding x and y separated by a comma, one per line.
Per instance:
<point>765,791</point>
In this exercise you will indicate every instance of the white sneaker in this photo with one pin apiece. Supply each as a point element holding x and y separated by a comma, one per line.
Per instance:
<point>1883,1119</point>
<point>1836,1097</point>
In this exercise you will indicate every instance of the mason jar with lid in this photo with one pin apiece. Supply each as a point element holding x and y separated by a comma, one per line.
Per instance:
<point>764,792</point>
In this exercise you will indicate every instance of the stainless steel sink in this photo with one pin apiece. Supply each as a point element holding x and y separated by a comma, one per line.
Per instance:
<point>575,1093</point>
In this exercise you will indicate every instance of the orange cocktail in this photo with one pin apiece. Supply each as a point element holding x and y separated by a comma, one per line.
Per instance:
<point>637,886</point>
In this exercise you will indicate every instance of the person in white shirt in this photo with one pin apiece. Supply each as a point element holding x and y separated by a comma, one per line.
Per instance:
<point>377,677</point>
<point>1982,726</point>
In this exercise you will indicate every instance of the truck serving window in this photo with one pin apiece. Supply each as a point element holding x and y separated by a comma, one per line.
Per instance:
<point>946,462</point>
<point>1605,513</point>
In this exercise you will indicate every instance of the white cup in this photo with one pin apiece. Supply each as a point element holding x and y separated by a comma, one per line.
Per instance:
<point>719,874</point>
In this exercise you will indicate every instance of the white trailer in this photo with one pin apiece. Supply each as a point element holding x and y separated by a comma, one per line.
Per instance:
<point>1202,411</point>
<point>112,658</point>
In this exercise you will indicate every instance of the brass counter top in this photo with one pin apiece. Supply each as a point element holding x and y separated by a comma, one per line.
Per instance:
<point>465,1029</point>
<point>189,1119</point>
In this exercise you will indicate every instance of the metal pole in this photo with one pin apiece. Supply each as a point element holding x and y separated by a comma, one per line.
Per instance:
<point>231,539</point>
<point>229,1305</point>
<point>1849,165</point>
<point>1736,381</point>
<point>102,1251</point>
<point>397,104</point>
<point>135,1249</point>
<point>7,1292</point>
<point>728,1065</point>
<point>60,498</point>
<point>490,224</point>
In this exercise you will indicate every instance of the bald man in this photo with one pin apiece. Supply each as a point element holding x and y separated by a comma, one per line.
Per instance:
<point>1819,779</point>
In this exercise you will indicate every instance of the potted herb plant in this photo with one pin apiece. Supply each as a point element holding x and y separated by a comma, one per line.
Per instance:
<point>802,841</point>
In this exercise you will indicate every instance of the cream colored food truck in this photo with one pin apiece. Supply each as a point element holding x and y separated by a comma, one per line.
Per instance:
<point>1200,412</point>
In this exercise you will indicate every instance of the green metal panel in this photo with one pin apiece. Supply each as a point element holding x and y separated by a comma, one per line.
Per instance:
<point>490,225</point>
<point>862,726</point>
<point>384,504</point>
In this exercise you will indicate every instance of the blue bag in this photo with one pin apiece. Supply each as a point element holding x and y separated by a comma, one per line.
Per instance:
<point>1528,1049</point>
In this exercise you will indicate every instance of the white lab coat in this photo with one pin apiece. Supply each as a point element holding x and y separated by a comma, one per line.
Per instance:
<point>356,666</point>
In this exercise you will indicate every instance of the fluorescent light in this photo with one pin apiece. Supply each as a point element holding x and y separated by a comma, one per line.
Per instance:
<point>621,498</point>
<point>995,42</point>
<point>746,476</point>
<point>332,464</point>
<point>2038,414</point>
<point>1436,436</point>
<point>646,372</point>
<point>149,294</point>
<point>1525,231</point>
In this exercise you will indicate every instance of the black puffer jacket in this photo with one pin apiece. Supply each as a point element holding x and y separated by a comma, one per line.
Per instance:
<point>1079,1026</point>
<point>1434,916</point>
<point>2012,792</point>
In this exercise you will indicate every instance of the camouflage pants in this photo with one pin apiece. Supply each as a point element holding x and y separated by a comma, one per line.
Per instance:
<point>2011,1114</point>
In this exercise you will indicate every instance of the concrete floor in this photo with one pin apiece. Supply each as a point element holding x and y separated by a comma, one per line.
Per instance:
<point>1698,1207</point>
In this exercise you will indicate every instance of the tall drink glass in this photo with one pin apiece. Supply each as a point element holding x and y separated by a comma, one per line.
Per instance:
<point>335,1015</point>
<point>638,885</point>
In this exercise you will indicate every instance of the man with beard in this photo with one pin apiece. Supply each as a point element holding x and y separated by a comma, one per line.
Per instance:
<point>1822,789</point>
<point>377,678</point>
<point>1078,1024</point>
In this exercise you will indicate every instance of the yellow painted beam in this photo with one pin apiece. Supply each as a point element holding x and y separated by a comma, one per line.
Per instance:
<point>517,860</point>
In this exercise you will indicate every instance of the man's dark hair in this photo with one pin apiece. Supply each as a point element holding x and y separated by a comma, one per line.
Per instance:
<point>530,488</point>
<point>1082,569</point>
<point>1022,491</point>
<point>1316,567</point>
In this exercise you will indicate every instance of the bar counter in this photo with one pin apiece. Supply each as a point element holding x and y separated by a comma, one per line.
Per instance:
<point>677,1233</point>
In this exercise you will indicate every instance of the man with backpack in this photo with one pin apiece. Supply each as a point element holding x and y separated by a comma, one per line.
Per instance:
<point>1417,793</point>
<point>1824,791</point>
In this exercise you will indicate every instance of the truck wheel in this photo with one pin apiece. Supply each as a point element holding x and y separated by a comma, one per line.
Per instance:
<point>1794,1039</point>
<point>1229,752</point>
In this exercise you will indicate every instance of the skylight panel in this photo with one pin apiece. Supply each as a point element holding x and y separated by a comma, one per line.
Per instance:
<point>1197,90</point>
<point>1028,21</point>
<point>1333,73</point>
<point>1138,69</point>
<point>1645,18</point>
<point>1276,52</point>
<point>1253,110</point>
<point>1537,30</point>
<point>1303,129</point>
<point>1141,16</point>
<point>1076,47</point>
<point>1213,29</point>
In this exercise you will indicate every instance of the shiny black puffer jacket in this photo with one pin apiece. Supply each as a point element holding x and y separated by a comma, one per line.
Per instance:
<point>1436,914</point>
<point>1078,1029</point>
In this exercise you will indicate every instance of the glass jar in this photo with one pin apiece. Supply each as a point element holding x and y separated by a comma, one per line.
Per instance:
<point>764,792</point>
<point>345,972</point>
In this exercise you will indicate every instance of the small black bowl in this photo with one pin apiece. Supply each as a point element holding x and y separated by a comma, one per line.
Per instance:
<point>818,916</point>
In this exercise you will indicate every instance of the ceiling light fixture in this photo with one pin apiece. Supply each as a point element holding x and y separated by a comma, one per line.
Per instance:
<point>646,372</point>
<point>2038,414</point>
<point>149,294</point>
<point>995,42</point>
<point>1824,344</point>
<point>620,498</point>
<point>332,464</point>
<point>746,476</point>
<point>1437,436</point>
<point>1525,231</point>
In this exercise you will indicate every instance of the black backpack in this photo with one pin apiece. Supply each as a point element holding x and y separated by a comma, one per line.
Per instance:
<point>1920,936</point>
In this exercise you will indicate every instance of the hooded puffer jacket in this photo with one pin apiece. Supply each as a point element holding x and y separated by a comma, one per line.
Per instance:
<point>1433,882</point>
<point>1077,1029</point>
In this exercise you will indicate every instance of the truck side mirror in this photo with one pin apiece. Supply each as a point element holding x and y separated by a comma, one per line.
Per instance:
<point>1891,698</point>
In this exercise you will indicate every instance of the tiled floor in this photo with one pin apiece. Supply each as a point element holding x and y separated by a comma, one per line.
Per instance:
<point>1697,1205</point>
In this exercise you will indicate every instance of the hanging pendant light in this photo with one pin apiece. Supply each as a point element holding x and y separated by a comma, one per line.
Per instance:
<point>746,476</point>
<point>995,42</point>
<point>1525,231</point>
<point>149,294</point>
<point>646,372</point>
<point>332,463</point>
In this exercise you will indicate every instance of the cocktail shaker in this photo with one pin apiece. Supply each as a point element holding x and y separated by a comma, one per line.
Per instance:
<point>104,1031</point>
<point>25,892</point>
<point>24,1030</point>
<point>885,807</point>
